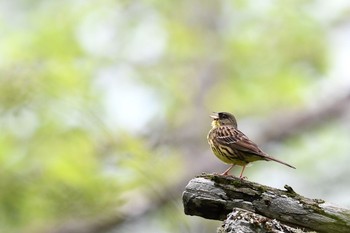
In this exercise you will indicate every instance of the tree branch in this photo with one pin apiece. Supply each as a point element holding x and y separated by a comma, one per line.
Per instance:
<point>241,220</point>
<point>215,196</point>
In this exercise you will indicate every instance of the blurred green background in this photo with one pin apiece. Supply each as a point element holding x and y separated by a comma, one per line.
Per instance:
<point>104,106</point>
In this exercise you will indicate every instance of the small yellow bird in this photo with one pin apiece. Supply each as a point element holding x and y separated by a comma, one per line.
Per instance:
<point>231,145</point>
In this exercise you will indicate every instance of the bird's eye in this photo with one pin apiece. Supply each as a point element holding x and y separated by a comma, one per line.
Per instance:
<point>222,116</point>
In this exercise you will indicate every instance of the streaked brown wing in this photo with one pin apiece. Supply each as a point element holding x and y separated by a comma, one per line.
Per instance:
<point>238,141</point>
<point>240,146</point>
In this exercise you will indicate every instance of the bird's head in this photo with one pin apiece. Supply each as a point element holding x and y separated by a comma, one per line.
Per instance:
<point>223,118</point>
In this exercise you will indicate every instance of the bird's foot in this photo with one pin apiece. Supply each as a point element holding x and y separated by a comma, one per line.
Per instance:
<point>222,174</point>
<point>226,174</point>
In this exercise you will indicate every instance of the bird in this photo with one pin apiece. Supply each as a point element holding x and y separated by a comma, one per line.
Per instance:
<point>232,146</point>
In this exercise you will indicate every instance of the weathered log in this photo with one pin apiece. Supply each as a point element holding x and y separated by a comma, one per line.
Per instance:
<point>214,196</point>
<point>240,220</point>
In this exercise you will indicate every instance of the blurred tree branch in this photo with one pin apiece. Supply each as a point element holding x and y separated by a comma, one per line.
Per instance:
<point>293,123</point>
<point>215,196</point>
<point>288,124</point>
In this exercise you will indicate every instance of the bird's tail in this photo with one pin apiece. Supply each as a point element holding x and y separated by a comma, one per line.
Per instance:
<point>278,161</point>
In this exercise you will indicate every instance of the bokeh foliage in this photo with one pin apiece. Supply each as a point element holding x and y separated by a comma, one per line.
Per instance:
<point>59,157</point>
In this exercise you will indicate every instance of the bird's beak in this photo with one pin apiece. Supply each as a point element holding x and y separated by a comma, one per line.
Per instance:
<point>214,115</point>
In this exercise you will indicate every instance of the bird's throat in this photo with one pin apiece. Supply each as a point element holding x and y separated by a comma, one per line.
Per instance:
<point>215,124</point>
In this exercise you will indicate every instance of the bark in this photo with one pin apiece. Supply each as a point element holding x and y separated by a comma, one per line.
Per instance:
<point>240,220</point>
<point>215,196</point>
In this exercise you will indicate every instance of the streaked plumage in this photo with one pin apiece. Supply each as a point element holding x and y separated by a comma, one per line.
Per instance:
<point>231,145</point>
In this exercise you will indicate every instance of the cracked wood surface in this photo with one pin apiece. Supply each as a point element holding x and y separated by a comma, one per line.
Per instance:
<point>240,220</point>
<point>214,196</point>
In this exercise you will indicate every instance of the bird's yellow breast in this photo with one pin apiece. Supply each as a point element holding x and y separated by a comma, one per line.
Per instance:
<point>218,151</point>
